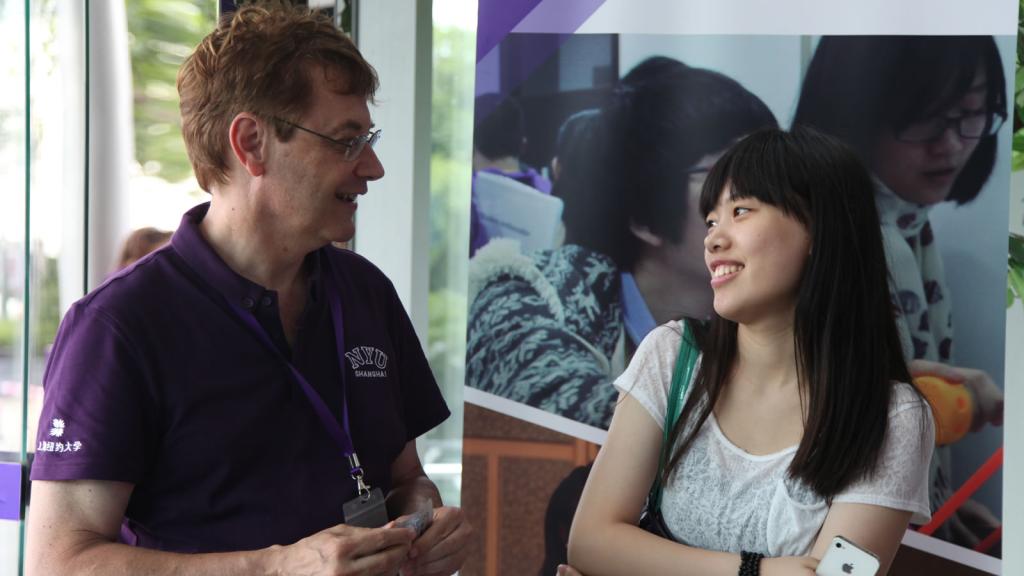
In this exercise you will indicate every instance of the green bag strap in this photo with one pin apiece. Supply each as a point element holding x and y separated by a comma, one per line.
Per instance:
<point>681,376</point>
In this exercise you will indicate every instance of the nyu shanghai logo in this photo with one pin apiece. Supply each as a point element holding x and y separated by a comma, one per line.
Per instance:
<point>57,427</point>
<point>368,362</point>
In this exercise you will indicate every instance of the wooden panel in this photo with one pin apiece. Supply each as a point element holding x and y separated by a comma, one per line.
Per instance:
<point>474,504</point>
<point>520,449</point>
<point>510,469</point>
<point>526,487</point>
<point>494,516</point>
<point>914,562</point>
<point>483,423</point>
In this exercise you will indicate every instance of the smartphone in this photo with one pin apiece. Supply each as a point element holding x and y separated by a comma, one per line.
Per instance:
<point>844,558</point>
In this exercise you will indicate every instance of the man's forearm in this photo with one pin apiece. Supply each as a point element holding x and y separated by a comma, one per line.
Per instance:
<point>405,495</point>
<point>104,558</point>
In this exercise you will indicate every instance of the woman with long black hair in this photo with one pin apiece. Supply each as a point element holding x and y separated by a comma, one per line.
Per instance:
<point>798,424</point>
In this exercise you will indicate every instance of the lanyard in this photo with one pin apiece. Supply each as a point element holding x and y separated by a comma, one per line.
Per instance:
<point>341,433</point>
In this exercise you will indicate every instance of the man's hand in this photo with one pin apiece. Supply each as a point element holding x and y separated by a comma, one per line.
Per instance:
<point>988,398</point>
<point>344,551</point>
<point>442,549</point>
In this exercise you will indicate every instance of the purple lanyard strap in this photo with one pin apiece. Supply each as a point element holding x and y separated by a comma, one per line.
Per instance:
<point>341,433</point>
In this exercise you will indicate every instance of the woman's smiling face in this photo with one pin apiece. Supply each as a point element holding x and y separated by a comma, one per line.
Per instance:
<point>756,255</point>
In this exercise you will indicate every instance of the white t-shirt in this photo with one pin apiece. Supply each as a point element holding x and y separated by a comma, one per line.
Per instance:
<point>723,498</point>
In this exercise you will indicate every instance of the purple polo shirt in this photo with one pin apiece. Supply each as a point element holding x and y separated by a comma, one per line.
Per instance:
<point>153,380</point>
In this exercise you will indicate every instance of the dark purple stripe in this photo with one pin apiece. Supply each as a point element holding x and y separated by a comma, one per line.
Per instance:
<point>529,52</point>
<point>559,16</point>
<point>495,19</point>
<point>556,19</point>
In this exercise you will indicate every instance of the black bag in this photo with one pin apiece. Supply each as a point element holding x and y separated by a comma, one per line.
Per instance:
<point>651,519</point>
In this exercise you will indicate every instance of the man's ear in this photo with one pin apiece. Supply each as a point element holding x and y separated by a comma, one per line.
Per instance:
<point>645,235</point>
<point>248,137</point>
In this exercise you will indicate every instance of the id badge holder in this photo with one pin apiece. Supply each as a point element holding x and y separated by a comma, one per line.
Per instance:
<point>368,509</point>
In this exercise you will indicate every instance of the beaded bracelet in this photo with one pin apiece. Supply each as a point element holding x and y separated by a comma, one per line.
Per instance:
<point>750,563</point>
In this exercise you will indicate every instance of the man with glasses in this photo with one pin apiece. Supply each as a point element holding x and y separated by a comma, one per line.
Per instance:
<point>242,400</point>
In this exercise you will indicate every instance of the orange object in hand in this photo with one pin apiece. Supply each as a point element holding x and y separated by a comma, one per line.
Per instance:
<point>952,407</point>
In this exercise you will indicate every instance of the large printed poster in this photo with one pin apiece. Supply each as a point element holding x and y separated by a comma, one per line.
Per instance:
<point>595,125</point>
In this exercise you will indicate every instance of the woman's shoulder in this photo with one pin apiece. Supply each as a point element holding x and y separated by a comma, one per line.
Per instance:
<point>911,425</point>
<point>905,397</point>
<point>664,338</point>
<point>648,376</point>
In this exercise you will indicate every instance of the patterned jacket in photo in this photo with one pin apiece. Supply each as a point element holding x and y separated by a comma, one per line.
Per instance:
<point>544,329</point>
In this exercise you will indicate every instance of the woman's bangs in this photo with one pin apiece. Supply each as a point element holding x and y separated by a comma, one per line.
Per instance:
<point>758,167</point>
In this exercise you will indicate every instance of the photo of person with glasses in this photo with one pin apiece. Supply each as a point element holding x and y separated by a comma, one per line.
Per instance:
<point>923,113</point>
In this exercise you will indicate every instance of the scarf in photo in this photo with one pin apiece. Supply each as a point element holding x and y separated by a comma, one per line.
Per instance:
<point>918,281</point>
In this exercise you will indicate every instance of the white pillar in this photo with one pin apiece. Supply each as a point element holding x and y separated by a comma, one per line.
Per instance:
<point>1013,439</point>
<point>111,143</point>
<point>71,22</point>
<point>393,220</point>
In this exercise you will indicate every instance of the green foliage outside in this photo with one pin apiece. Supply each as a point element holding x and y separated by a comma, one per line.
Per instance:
<point>1015,279</point>
<point>1018,97</point>
<point>46,307</point>
<point>450,168</point>
<point>452,77</point>
<point>162,33</point>
<point>1015,263</point>
<point>9,330</point>
<point>45,310</point>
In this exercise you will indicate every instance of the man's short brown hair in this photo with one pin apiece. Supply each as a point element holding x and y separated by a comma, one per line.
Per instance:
<point>260,60</point>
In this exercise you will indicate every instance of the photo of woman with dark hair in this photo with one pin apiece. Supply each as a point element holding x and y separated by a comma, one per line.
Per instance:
<point>553,328</point>
<point>923,113</point>
<point>799,423</point>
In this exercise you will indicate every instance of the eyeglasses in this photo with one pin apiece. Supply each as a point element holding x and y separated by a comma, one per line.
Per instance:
<point>976,124</point>
<point>350,148</point>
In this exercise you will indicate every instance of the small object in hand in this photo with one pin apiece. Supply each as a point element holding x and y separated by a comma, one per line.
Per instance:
<point>418,520</point>
<point>844,558</point>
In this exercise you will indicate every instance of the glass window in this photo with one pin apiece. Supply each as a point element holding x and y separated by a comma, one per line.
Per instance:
<point>42,190</point>
<point>454,47</point>
<point>161,34</point>
<point>12,257</point>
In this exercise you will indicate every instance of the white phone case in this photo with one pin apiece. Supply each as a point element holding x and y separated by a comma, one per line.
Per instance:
<point>844,558</point>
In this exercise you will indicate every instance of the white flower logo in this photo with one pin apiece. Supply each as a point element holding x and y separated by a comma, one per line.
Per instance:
<point>58,428</point>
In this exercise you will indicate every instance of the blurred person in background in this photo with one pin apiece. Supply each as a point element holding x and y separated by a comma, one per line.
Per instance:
<point>499,140</point>
<point>139,243</point>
